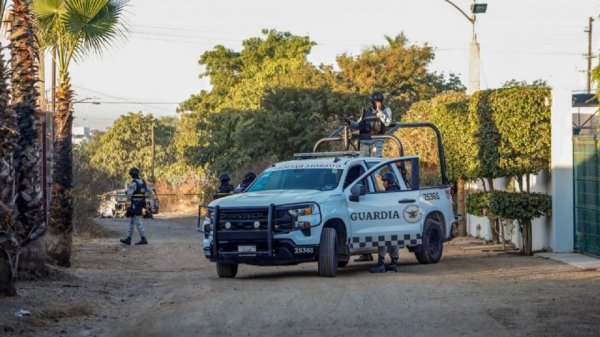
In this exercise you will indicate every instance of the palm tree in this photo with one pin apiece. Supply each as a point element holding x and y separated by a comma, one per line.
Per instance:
<point>9,243</point>
<point>72,28</point>
<point>24,77</point>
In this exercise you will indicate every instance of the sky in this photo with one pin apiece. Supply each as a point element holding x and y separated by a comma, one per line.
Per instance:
<point>156,67</point>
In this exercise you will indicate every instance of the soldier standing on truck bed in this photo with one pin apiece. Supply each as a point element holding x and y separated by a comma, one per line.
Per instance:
<point>136,191</point>
<point>374,121</point>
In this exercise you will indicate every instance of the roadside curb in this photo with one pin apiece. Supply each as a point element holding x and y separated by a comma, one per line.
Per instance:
<point>583,262</point>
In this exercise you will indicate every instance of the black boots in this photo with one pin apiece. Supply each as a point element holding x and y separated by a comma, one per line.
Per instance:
<point>364,258</point>
<point>127,241</point>
<point>392,266</point>
<point>379,267</point>
<point>142,241</point>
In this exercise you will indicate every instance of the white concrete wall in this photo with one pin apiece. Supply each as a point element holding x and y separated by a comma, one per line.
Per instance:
<point>562,229</point>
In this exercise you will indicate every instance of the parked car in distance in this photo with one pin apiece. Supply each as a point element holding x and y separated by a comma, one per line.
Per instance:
<point>113,204</point>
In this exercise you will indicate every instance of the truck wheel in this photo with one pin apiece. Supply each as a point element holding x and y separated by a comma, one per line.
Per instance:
<point>342,264</point>
<point>327,253</point>
<point>227,270</point>
<point>433,243</point>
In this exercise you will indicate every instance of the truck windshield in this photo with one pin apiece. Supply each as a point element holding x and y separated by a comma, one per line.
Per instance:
<point>298,179</point>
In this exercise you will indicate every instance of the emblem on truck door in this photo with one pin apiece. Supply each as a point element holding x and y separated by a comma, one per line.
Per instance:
<point>412,213</point>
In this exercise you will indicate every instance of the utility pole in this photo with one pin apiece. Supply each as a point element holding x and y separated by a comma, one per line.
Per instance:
<point>153,178</point>
<point>589,77</point>
<point>473,83</point>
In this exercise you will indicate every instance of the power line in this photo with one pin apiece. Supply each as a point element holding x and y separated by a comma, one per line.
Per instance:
<point>185,29</point>
<point>123,99</point>
<point>128,102</point>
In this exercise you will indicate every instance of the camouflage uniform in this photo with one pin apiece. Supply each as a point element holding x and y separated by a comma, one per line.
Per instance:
<point>136,198</point>
<point>372,121</point>
<point>394,250</point>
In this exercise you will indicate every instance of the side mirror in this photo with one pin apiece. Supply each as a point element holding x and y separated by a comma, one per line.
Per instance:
<point>356,191</point>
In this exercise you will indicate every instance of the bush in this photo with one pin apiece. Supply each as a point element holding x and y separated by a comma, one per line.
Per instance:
<point>478,203</point>
<point>522,207</point>
<point>516,206</point>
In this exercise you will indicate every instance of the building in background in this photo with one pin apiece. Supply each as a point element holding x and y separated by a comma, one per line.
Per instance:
<point>82,134</point>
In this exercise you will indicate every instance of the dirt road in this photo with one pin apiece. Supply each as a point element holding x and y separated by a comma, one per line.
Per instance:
<point>168,289</point>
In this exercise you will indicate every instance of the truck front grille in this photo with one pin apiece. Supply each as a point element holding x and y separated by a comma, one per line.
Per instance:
<point>246,219</point>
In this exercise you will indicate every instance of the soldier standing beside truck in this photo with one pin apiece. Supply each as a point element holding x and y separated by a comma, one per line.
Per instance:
<point>374,121</point>
<point>390,184</point>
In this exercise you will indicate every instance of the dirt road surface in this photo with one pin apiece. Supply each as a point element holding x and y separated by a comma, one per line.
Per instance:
<point>168,288</point>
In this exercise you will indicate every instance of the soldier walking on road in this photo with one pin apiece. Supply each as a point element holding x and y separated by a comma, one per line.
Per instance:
<point>136,191</point>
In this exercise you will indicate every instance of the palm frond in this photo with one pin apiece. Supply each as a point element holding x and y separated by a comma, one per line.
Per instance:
<point>2,9</point>
<point>48,24</point>
<point>95,23</point>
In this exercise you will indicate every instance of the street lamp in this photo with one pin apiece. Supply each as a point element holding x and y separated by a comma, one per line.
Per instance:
<point>474,63</point>
<point>85,100</point>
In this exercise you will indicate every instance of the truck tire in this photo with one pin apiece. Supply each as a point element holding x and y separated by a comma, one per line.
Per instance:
<point>227,270</point>
<point>327,253</point>
<point>433,243</point>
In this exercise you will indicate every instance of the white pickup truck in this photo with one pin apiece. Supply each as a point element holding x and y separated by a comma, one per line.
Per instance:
<point>326,207</point>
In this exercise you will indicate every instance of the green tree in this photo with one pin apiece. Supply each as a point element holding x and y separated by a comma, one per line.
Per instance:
<point>449,111</point>
<point>214,124</point>
<point>596,78</point>
<point>512,125</point>
<point>72,28</point>
<point>239,79</point>
<point>128,143</point>
<point>268,101</point>
<point>398,69</point>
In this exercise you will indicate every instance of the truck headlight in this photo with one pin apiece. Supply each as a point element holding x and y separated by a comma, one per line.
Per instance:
<point>208,221</point>
<point>305,215</point>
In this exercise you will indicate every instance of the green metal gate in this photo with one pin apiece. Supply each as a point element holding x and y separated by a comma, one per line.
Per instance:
<point>586,160</point>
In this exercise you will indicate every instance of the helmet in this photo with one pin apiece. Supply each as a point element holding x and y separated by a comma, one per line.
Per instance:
<point>249,177</point>
<point>377,96</point>
<point>389,177</point>
<point>224,177</point>
<point>134,172</point>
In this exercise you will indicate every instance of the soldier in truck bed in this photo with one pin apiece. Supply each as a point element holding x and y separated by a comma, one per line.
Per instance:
<point>225,188</point>
<point>374,121</point>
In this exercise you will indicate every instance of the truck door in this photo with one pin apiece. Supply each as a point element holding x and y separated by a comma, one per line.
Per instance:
<point>380,216</point>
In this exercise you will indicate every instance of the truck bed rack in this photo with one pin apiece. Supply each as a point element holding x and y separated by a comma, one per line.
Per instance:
<point>310,155</point>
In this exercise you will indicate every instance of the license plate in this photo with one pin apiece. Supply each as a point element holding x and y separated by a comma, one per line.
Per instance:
<point>247,249</point>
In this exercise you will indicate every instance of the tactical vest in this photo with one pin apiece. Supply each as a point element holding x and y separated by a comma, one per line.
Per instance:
<point>228,188</point>
<point>139,195</point>
<point>371,124</point>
